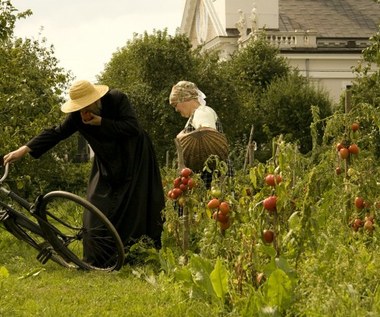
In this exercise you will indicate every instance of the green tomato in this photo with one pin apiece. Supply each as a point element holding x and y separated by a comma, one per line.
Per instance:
<point>216,192</point>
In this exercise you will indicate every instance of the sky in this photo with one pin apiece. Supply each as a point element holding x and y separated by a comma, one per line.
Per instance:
<point>85,33</point>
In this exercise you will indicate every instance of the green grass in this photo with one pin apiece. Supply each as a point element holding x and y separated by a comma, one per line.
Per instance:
<point>33,289</point>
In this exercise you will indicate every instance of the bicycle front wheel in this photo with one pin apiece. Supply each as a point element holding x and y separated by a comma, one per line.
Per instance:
<point>80,231</point>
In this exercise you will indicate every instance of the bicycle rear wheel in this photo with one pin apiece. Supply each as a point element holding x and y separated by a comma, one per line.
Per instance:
<point>80,231</point>
<point>27,230</point>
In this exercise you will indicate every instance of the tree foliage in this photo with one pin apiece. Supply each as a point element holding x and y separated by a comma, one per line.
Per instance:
<point>8,17</point>
<point>366,87</point>
<point>286,109</point>
<point>255,66</point>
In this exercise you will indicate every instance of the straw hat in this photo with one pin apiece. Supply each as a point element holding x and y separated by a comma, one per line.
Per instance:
<point>82,94</point>
<point>198,145</point>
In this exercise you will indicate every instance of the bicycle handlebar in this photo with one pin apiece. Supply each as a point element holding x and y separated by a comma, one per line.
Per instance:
<point>6,171</point>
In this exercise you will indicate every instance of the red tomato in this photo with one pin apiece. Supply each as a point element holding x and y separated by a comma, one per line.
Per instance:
<point>176,192</point>
<point>368,225</point>
<point>356,224</point>
<point>353,149</point>
<point>213,203</point>
<point>359,202</point>
<point>339,146</point>
<point>270,203</point>
<point>268,236</point>
<point>184,180</point>
<point>224,208</point>
<point>183,187</point>
<point>270,180</point>
<point>343,153</point>
<point>220,217</point>
<point>355,126</point>
<point>224,225</point>
<point>273,180</point>
<point>191,183</point>
<point>186,172</point>
<point>177,182</point>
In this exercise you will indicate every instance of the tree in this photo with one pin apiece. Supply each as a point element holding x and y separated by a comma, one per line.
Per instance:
<point>255,66</point>
<point>286,110</point>
<point>366,87</point>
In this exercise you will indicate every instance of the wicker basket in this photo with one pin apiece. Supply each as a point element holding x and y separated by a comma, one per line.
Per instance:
<point>198,145</point>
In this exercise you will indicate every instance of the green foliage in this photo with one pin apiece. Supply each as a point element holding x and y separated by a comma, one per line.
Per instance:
<point>255,66</point>
<point>8,18</point>
<point>286,109</point>
<point>366,87</point>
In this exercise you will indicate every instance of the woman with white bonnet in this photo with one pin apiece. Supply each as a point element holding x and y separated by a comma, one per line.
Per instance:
<point>189,101</point>
<point>125,181</point>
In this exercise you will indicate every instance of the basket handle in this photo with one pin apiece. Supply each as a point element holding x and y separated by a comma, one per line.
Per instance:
<point>181,161</point>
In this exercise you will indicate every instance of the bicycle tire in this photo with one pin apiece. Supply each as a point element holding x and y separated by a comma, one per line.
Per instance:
<point>26,230</point>
<point>63,216</point>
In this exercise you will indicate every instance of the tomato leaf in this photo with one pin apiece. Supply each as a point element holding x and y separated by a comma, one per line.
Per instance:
<point>280,289</point>
<point>219,279</point>
<point>3,272</point>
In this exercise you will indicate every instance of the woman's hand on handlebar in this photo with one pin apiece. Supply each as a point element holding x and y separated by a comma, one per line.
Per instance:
<point>16,155</point>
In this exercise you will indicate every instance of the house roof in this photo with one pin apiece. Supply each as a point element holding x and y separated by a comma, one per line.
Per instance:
<point>330,18</point>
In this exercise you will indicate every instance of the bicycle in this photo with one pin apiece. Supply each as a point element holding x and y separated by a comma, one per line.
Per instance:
<point>55,225</point>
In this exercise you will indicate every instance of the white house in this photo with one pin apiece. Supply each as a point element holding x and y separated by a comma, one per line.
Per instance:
<point>322,38</point>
